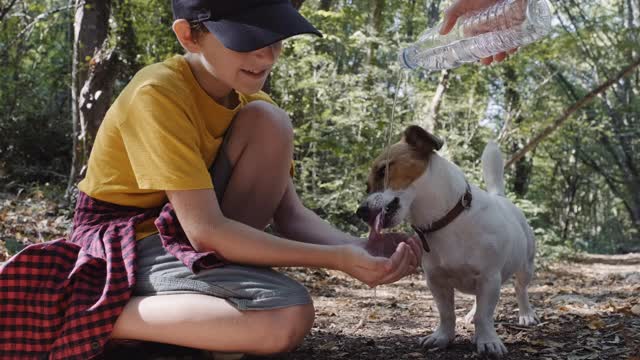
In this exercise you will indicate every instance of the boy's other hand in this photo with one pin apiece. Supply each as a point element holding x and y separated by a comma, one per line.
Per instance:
<point>398,257</point>
<point>463,7</point>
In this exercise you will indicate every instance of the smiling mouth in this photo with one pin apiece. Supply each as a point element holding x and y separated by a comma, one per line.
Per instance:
<point>254,73</point>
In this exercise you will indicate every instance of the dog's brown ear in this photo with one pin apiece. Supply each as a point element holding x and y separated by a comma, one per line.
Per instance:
<point>422,140</point>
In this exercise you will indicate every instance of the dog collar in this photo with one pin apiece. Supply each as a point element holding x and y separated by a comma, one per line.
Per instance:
<point>463,204</point>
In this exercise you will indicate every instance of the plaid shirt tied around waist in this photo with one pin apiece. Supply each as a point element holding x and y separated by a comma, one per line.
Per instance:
<point>60,299</point>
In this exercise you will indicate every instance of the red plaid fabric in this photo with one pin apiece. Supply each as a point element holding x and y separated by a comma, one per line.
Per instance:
<point>60,299</point>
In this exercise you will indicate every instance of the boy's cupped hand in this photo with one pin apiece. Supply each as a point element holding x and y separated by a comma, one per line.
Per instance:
<point>384,261</point>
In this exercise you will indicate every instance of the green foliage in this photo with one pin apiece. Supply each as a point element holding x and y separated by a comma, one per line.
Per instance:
<point>34,92</point>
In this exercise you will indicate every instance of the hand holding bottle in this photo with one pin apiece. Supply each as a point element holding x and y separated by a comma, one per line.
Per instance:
<point>467,7</point>
<point>473,30</point>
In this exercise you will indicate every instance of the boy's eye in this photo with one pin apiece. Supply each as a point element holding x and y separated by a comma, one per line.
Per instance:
<point>380,172</point>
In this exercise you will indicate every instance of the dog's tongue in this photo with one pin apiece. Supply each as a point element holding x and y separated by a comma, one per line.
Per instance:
<point>375,228</point>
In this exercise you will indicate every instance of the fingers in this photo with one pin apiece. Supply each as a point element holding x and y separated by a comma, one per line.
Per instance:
<point>373,270</point>
<point>500,56</point>
<point>381,270</point>
<point>497,57</point>
<point>451,16</point>
<point>398,257</point>
<point>401,265</point>
<point>449,22</point>
<point>487,60</point>
<point>416,249</point>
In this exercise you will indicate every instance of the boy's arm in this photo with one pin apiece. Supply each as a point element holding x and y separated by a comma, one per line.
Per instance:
<point>209,230</point>
<point>293,220</point>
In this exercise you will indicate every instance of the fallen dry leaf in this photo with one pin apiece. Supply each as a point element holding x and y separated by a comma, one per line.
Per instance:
<point>596,324</point>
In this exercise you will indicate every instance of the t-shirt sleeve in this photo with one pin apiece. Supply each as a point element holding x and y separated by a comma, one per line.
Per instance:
<point>162,143</point>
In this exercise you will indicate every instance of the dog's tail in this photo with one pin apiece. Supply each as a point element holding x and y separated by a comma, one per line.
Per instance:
<point>493,169</point>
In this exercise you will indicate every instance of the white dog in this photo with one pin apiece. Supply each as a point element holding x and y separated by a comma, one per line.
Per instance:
<point>474,240</point>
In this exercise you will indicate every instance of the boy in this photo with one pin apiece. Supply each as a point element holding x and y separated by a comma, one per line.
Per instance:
<point>189,166</point>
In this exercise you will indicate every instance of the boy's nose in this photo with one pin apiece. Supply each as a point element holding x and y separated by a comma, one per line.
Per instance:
<point>267,54</point>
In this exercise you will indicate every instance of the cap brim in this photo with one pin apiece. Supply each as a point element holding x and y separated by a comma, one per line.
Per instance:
<point>260,27</point>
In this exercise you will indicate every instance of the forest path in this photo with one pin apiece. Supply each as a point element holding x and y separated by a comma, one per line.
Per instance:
<point>589,307</point>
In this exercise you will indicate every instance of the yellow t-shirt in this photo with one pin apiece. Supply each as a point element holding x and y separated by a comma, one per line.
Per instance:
<point>162,133</point>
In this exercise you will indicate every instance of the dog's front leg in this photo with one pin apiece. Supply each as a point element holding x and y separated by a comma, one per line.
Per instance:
<point>486,338</point>
<point>446,331</point>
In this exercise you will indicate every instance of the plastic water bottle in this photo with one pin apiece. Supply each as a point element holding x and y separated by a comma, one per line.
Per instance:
<point>506,25</point>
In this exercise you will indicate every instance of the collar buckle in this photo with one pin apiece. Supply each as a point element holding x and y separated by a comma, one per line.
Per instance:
<point>204,15</point>
<point>465,201</point>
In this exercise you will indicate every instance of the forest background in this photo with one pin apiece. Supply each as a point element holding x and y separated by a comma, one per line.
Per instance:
<point>576,94</point>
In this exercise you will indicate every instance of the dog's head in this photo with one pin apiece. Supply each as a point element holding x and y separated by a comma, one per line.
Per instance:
<point>389,189</point>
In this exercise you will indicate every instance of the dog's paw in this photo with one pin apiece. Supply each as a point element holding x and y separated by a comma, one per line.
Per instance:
<point>438,339</point>
<point>529,318</point>
<point>493,348</point>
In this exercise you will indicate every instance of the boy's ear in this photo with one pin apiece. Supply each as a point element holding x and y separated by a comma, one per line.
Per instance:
<point>183,32</point>
<point>421,140</point>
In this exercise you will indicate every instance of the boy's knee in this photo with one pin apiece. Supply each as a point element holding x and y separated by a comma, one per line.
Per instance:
<point>266,120</point>
<point>290,328</point>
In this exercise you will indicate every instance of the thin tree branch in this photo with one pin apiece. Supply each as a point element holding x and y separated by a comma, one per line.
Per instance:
<point>37,19</point>
<point>5,11</point>
<point>567,113</point>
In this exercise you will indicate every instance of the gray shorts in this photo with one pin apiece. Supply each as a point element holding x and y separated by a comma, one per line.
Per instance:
<point>244,287</point>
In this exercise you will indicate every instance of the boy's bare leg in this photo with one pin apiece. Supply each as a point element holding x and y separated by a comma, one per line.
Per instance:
<point>260,149</point>
<point>210,323</point>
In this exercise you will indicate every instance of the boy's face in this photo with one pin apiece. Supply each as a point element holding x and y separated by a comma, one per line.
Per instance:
<point>244,72</point>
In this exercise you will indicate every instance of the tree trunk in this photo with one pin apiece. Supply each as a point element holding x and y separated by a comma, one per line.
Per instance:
<point>90,89</point>
<point>523,166</point>
<point>412,11</point>
<point>431,119</point>
<point>325,5</point>
<point>297,3</point>
<point>267,84</point>
<point>377,22</point>
<point>4,9</point>
<point>433,13</point>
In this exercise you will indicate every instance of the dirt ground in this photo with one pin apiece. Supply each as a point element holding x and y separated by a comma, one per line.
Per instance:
<point>589,307</point>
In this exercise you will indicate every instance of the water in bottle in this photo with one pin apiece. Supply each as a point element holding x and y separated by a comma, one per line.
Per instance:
<point>506,25</point>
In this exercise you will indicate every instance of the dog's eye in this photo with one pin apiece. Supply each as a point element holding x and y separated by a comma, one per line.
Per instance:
<point>381,171</point>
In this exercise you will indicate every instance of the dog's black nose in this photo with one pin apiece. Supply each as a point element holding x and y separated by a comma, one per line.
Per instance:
<point>392,206</point>
<point>363,212</point>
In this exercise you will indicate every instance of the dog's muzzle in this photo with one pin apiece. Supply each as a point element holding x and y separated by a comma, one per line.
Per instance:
<point>366,213</point>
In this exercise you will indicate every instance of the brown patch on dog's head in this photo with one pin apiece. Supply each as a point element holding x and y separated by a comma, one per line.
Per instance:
<point>407,160</point>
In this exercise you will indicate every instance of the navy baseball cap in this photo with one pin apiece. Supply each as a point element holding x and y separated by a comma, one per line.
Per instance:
<point>245,25</point>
